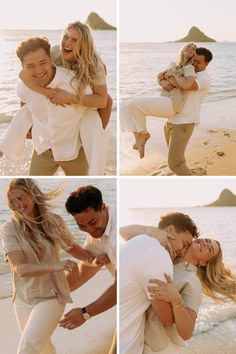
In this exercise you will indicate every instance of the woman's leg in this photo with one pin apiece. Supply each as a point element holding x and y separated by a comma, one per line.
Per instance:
<point>133,117</point>
<point>37,323</point>
<point>95,142</point>
<point>13,142</point>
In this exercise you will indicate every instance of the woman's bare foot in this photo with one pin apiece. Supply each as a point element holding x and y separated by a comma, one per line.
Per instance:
<point>1,154</point>
<point>141,139</point>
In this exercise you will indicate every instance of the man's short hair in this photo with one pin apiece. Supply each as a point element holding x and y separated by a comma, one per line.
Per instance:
<point>84,198</point>
<point>31,45</point>
<point>206,53</point>
<point>181,222</point>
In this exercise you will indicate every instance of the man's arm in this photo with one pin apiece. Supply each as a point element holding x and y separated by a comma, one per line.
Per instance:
<point>107,300</point>
<point>84,273</point>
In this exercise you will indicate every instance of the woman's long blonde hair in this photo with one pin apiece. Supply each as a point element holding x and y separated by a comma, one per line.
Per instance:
<point>46,222</point>
<point>218,282</point>
<point>180,61</point>
<point>87,59</point>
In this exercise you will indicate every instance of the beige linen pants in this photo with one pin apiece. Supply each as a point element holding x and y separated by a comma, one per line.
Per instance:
<point>177,137</point>
<point>133,114</point>
<point>37,324</point>
<point>45,165</point>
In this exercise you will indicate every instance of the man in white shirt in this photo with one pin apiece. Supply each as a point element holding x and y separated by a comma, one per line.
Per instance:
<point>99,221</point>
<point>143,258</point>
<point>179,129</point>
<point>55,131</point>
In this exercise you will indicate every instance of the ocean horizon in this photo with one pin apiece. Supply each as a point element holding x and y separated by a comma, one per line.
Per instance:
<point>140,62</point>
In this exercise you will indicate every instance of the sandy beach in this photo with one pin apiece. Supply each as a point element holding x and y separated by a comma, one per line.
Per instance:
<point>10,167</point>
<point>94,337</point>
<point>211,150</point>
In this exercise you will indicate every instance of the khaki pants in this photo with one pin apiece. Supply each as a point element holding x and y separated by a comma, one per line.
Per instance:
<point>177,137</point>
<point>45,165</point>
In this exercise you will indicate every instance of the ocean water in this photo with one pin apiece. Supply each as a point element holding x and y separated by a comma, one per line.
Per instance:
<point>141,62</point>
<point>105,42</point>
<point>107,186</point>
<point>216,323</point>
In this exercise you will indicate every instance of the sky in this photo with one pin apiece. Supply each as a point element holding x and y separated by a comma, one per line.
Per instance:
<point>168,20</point>
<point>171,192</point>
<point>53,14</point>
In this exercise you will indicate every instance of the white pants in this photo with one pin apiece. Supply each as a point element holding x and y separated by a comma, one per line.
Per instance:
<point>171,348</point>
<point>93,136</point>
<point>37,324</point>
<point>133,114</point>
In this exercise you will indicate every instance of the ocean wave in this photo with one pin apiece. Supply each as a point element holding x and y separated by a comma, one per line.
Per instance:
<point>214,316</point>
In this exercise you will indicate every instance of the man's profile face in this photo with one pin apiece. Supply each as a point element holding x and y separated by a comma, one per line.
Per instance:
<point>182,241</point>
<point>92,221</point>
<point>38,66</point>
<point>199,63</point>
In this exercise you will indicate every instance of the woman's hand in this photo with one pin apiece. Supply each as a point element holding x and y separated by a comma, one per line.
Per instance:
<point>165,291</point>
<point>61,97</point>
<point>101,260</point>
<point>68,265</point>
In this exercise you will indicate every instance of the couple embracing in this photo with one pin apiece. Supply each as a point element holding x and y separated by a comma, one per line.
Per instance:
<point>66,107</point>
<point>163,273</point>
<point>184,85</point>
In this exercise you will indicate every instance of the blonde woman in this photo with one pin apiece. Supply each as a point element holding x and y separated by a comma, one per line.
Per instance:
<point>77,52</point>
<point>32,239</point>
<point>133,115</point>
<point>201,268</point>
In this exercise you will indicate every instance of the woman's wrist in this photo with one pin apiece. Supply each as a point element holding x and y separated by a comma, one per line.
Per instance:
<point>176,301</point>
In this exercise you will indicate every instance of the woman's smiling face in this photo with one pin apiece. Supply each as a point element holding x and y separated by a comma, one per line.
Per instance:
<point>201,251</point>
<point>70,44</point>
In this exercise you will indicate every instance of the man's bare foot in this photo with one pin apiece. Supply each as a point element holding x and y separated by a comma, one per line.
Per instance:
<point>141,139</point>
<point>1,154</point>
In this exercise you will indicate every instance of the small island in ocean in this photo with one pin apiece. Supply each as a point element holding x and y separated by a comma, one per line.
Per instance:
<point>195,35</point>
<point>97,23</point>
<point>226,198</point>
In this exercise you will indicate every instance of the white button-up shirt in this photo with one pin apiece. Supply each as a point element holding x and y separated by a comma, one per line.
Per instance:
<point>106,244</point>
<point>54,127</point>
<point>191,110</point>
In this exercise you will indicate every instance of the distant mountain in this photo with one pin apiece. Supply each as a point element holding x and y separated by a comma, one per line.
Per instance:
<point>226,198</point>
<point>97,23</point>
<point>195,35</point>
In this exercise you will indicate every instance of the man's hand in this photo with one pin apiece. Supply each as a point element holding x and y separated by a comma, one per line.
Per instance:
<point>72,319</point>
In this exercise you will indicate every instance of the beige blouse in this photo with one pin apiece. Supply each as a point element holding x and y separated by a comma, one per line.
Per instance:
<point>33,290</point>
<point>100,78</point>
<point>188,284</point>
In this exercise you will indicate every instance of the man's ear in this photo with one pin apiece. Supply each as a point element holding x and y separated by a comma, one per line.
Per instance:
<point>170,229</point>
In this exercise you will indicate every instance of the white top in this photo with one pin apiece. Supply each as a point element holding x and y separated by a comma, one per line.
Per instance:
<point>107,243</point>
<point>141,259</point>
<point>191,110</point>
<point>54,127</point>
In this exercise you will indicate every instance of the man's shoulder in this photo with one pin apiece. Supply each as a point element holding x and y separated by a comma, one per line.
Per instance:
<point>60,72</point>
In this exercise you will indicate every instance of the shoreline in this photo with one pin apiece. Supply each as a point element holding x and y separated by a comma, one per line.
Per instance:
<point>211,150</point>
<point>93,337</point>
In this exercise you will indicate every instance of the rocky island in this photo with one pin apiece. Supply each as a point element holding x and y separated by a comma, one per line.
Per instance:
<point>226,198</point>
<point>97,23</point>
<point>195,35</point>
